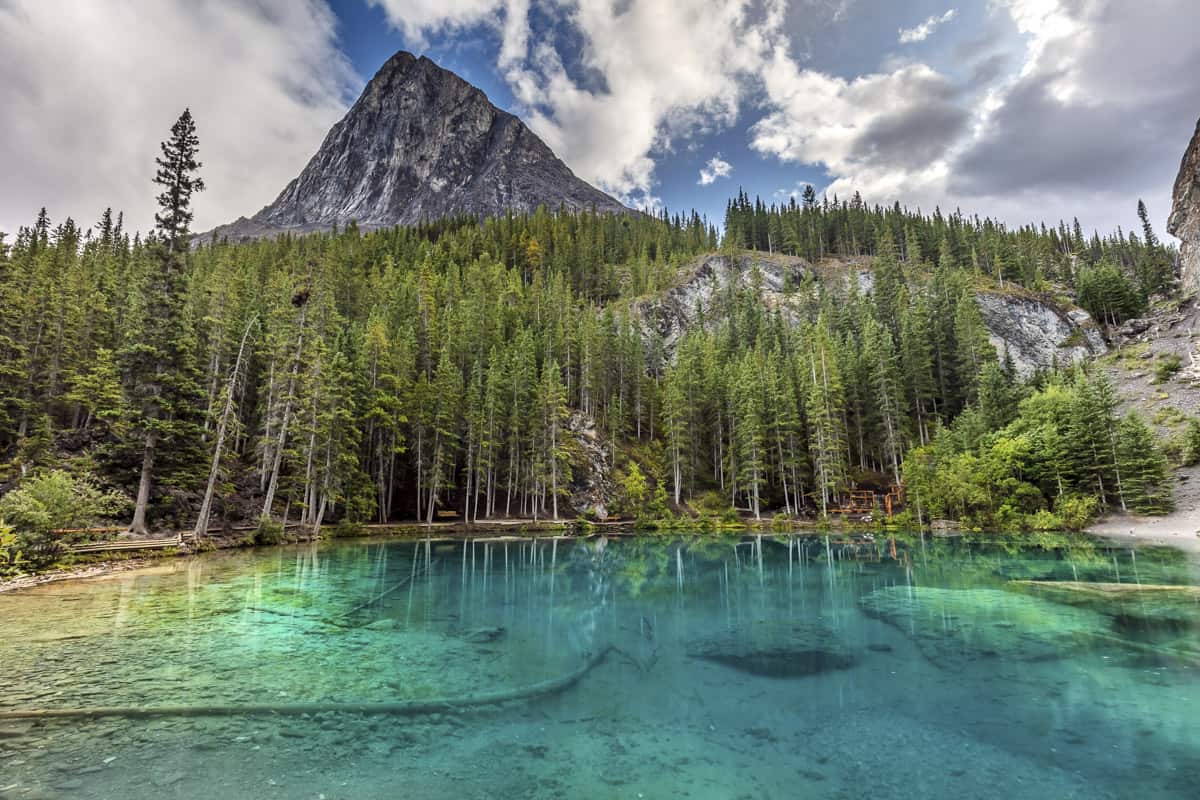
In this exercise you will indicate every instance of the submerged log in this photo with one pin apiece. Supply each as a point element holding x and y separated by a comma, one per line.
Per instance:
<point>393,708</point>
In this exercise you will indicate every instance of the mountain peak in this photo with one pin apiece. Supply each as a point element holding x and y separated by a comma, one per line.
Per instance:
<point>421,143</point>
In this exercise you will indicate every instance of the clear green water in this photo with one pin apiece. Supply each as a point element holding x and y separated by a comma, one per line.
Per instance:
<point>844,672</point>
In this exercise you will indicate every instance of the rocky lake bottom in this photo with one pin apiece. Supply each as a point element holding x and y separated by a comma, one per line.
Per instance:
<point>660,667</point>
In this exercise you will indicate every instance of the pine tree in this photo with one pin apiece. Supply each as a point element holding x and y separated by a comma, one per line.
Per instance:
<point>1146,480</point>
<point>881,364</point>
<point>556,459</point>
<point>974,349</point>
<point>158,357</point>
<point>824,403</point>
<point>747,396</point>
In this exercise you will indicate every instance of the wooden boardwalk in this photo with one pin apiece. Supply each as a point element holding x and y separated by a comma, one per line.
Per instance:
<point>128,544</point>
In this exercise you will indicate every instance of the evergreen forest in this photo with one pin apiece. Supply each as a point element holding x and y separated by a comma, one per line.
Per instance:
<point>352,376</point>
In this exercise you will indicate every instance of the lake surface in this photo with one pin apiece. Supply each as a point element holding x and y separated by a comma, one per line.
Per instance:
<point>706,668</point>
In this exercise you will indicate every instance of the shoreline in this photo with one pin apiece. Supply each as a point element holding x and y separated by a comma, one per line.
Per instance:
<point>1121,530</point>
<point>1177,529</point>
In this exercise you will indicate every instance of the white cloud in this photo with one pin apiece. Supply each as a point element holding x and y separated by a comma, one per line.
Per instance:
<point>1066,130</point>
<point>418,19</point>
<point>90,89</point>
<point>880,121</point>
<point>923,31</point>
<point>715,168</point>
<point>658,73</point>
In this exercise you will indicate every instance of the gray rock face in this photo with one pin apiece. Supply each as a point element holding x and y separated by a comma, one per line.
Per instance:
<point>1038,334</point>
<point>687,304</point>
<point>1184,222</point>
<point>420,144</point>
<point>593,487</point>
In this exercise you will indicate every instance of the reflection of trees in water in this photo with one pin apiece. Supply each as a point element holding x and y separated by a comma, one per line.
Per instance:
<point>595,562</point>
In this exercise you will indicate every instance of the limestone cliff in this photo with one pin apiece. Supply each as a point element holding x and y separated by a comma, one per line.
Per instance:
<point>1037,332</point>
<point>1184,222</point>
<point>669,315</point>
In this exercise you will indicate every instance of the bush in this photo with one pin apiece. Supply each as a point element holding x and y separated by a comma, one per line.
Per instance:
<point>714,503</point>
<point>268,532</point>
<point>1191,442</point>
<point>345,529</point>
<point>1045,521</point>
<point>1076,511</point>
<point>52,500</point>
<point>10,550</point>
<point>1166,367</point>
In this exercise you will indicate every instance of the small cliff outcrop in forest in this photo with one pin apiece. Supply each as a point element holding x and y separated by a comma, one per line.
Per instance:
<point>1184,222</point>
<point>687,304</point>
<point>592,486</point>
<point>1038,333</point>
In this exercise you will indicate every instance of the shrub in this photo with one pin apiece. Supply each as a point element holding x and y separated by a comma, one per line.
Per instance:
<point>712,502</point>
<point>268,532</point>
<point>10,550</point>
<point>1191,442</point>
<point>346,529</point>
<point>52,500</point>
<point>1076,511</point>
<point>1166,367</point>
<point>1045,521</point>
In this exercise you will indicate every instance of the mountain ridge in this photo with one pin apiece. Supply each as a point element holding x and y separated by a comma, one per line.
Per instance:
<point>420,143</point>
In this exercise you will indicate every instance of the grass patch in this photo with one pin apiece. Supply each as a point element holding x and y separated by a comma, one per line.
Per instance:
<point>1165,368</point>
<point>1169,417</point>
<point>1129,357</point>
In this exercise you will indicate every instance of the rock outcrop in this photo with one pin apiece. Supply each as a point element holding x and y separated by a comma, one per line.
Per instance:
<point>1184,222</point>
<point>1038,334</point>
<point>592,487</point>
<point>687,304</point>
<point>421,144</point>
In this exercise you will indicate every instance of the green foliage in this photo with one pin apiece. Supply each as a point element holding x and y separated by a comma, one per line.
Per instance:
<point>268,532</point>
<point>634,490</point>
<point>1108,295</point>
<point>1146,482</point>
<point>1190,454</point>
<point>345,529</point>
<point>1061,458</point>
<point>1165,368</point>
<point>53,500</point>
<point>473,366</point>
<point>10,550</point>
<point>1076,511</point>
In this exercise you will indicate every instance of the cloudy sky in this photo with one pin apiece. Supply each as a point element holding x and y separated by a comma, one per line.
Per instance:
<point>1020,109</point>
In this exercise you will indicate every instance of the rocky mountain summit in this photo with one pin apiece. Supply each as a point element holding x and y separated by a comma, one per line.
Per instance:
<point>421,144</point>
<point>1184,221</point>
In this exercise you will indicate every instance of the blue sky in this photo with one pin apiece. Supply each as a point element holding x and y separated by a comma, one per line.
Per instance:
<point>1020,109</point>
<point>368,36</point>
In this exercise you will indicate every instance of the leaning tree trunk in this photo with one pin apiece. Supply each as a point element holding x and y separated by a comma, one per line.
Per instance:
<point>281,443</point>
<point>222,428</point>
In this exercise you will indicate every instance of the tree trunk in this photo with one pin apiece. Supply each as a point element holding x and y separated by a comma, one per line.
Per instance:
<point>222,427</point>
<point>138,526</point>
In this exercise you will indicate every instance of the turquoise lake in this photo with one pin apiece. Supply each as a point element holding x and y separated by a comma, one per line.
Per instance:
<point>656,667</point>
